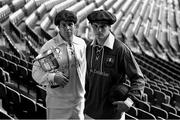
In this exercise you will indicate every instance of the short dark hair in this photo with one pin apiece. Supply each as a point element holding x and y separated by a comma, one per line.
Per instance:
<point>65,15</point>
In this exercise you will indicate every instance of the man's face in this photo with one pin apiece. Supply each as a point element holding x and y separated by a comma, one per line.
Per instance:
<point>100,30</point>
<point>66,29</point>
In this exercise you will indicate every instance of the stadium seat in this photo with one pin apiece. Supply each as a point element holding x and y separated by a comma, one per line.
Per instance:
<point>4,63</point>
<point>135,7</point>
<point>158,81</point>
<point>176,101</point>
<point>115,26</point>
<point>8,56</point>
<point>23,76</point>
<point>41,11</point>
<point>2,76</point>
<point>177,88</point>
<point>151,82</point>
<point>144,8</point>
<point>78,6</point>
<point>82,14</point>
<point>147,84</point>
<point>167,92</point>
<point>162,86</point>
<point>3,92</point>
<point>51,3</point>
<point>17,4</point>
<point>40,95</point>
<point>5,116</point>
<point>13,70</point>
<point>17,17</point>
<point>40,112</point>
<point>27,108</point>
<point>168,108</point>
<point>145,115</point>
<point>158,112</point>
<point>169,85</point>
<point>172,89</point>
<point>4,13</point>
<point>31,84</point>
<point>15,59</point>
<point>143,105</point>
<point>173,116</point>
<point>159,98</point>
<point>23,63</point>
<point>115,8</point>
<point>1,53</point>
<point>12,101</point>
<point>133,111</point>
<point>30,7</point>
<point>15,30</point>
<point>126,6</point>
<point>129,117</point>
<point>108,4</point>
<point>150,94</point>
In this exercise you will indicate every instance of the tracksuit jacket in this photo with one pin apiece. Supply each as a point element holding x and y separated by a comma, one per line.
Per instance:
<point>73,93</point>
<point>106,67</point>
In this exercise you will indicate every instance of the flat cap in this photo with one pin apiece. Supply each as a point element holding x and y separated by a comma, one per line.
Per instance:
<point>102,16</point>
<point>65,15</point>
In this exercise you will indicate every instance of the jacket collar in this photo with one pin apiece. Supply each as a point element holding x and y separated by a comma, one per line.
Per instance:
<point>108,43</point>
<point>59,40</point>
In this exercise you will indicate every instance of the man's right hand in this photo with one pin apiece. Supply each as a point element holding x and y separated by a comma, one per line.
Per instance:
<point>60,79</point>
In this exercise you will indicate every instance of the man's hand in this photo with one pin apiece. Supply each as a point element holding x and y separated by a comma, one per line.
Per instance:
<point>60,79</point>
<point>121,106</point>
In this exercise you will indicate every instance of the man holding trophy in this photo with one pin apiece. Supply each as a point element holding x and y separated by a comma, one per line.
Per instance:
<point>61,67</point>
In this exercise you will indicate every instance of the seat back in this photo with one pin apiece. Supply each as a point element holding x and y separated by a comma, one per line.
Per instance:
<point>128,117</point>
<point>133,112</point>
<point>176,100</point>
<point>159,97</point>
<point>168,108</point>
<point>3,91</point>
<point>5,116</point>
<point>27,108</point>
<point>13,100</point>
<point>41,95</point>
<point>145,115</point>
<point>143,105</point>
<point>156,111</point>
<point>173,116</point>
<point>41,111</point>
<point>150,94</point>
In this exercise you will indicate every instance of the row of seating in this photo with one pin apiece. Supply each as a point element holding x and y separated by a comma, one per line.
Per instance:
<point>12,64</point>
<point>20,106</point>
<point>126,29</point>
<point>153,114</point>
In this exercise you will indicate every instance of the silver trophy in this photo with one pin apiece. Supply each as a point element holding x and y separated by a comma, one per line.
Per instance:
<point>55,59</point>
<point>48,61</point>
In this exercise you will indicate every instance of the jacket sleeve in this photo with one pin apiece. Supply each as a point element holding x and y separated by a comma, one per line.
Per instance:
<point>135,75</point>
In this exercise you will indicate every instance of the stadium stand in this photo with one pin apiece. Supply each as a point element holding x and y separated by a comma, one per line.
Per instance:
<point>129,117</point>
<point>5,116</point>
<point>150,28</point>
<point>145,115</point>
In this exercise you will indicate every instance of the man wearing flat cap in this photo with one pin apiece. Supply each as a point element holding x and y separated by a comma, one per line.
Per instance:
<point>61,68</point>
<point>109,61</point>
